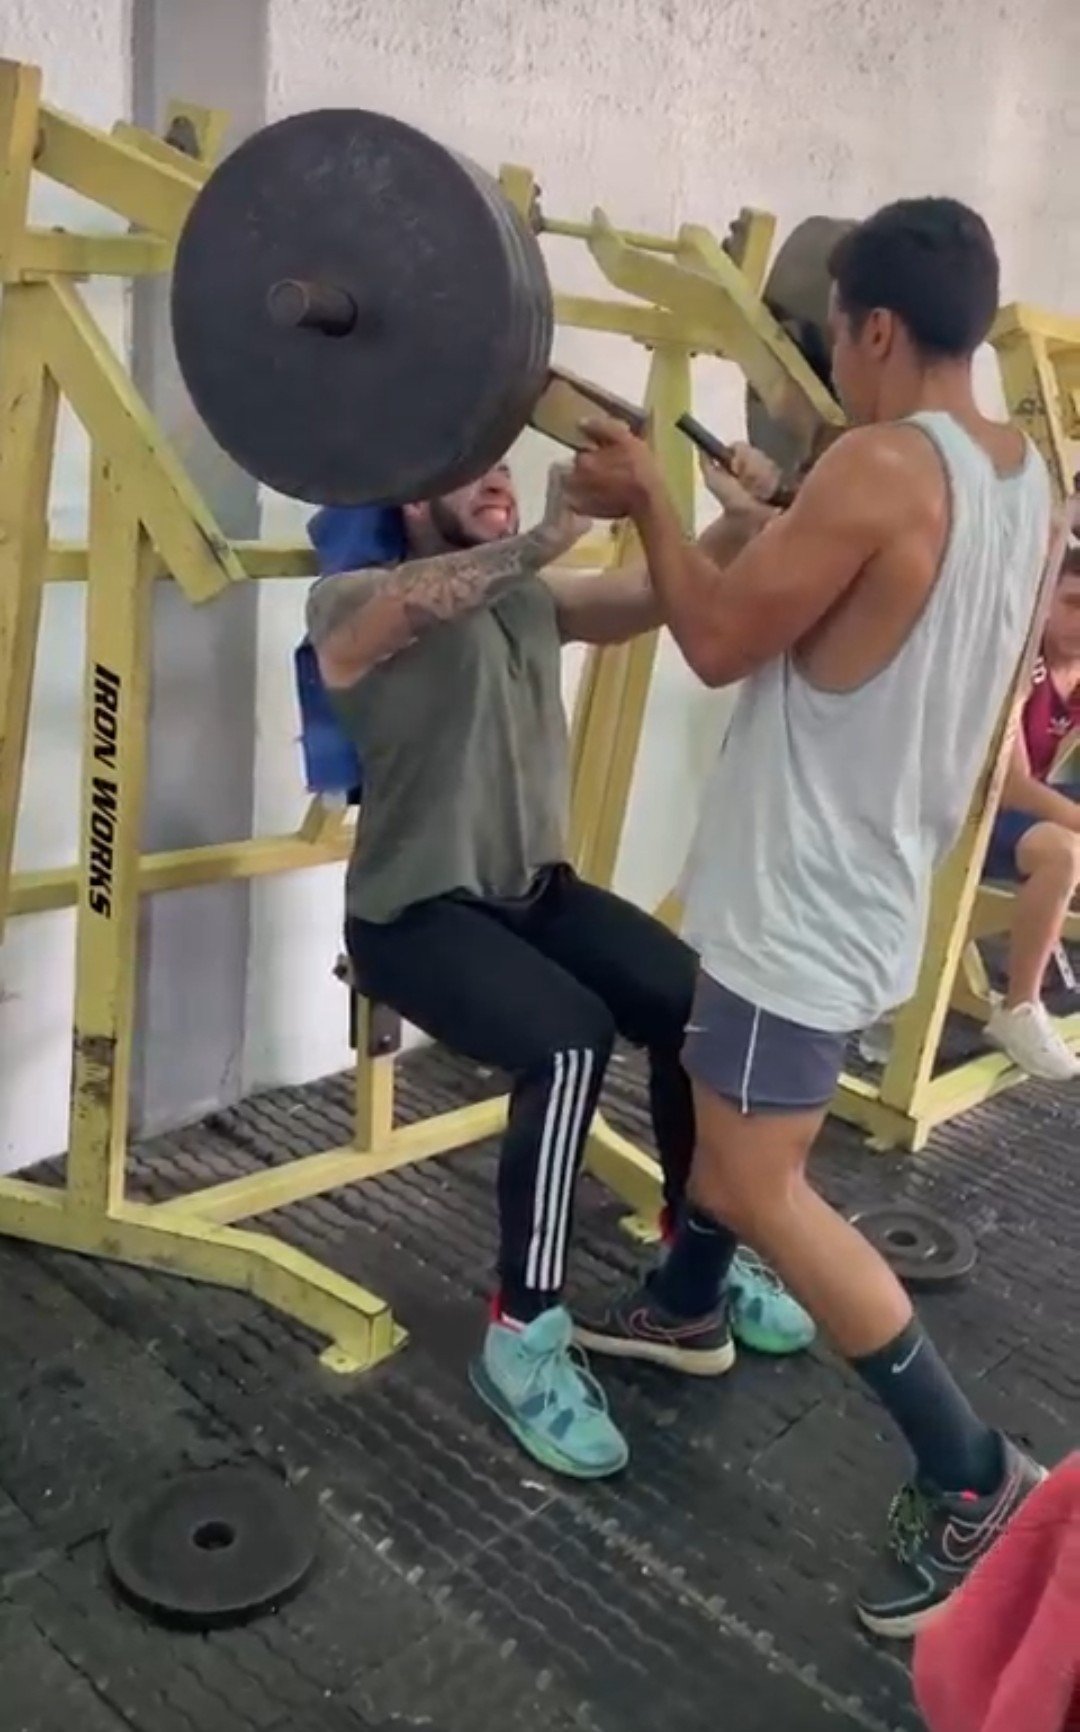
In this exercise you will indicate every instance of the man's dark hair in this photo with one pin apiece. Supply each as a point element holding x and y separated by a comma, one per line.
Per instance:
<point>1071,563</point>
<point>932,262</point>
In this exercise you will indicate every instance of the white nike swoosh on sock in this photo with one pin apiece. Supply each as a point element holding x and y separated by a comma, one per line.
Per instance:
<point>903,1364</point>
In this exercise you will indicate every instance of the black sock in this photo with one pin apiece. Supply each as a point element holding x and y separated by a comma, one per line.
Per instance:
<point>954,1449</point>
<point>690,1282</point>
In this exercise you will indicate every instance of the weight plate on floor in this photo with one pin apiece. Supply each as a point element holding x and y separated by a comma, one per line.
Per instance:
<point>209,1550</point>
<point>921,1246</point>
<point>360,316</point>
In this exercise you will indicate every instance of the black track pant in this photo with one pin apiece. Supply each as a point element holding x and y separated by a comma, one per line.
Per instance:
<point>540,989</point>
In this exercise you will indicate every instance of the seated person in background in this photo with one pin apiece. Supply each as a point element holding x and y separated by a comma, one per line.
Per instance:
<point>1036,838</point>
<point>465,917</point>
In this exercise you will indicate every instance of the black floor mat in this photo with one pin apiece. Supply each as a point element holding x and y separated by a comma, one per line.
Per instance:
<point>461,1588</point>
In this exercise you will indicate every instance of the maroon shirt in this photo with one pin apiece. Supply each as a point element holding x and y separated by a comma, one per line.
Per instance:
<point>1047,719</point>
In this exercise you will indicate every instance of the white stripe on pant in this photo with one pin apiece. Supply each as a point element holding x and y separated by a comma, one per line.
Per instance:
<point>545,1266</point>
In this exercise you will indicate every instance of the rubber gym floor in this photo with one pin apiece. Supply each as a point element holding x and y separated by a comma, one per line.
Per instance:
<point>461,1588</point>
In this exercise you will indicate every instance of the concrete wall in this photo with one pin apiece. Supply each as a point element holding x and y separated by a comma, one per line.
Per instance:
<point>84,51</point>
<point>663,114</point>
<point>193,944</point>
<point>104,61</point>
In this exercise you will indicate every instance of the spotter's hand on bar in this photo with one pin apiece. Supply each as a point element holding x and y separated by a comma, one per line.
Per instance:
<point>750,477</point>
<point>616,474</point>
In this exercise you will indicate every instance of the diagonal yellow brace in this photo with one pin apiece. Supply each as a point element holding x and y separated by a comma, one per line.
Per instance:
<point>624,1169</point>
<point>28,406</point>
<point>1066,364</point>
<point>159,150</point>
<point>178,522</point>
<point>153,195</point>
<point>750,244</point>
<point>647,325</point>
<point>712,294</point>
<point>359,1326</point>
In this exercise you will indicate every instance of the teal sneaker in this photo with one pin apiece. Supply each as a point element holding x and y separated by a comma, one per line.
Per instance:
<point>547,1398</point>
<point>763,1314</point>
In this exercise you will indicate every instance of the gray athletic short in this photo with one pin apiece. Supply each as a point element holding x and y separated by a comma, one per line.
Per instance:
<point>760,1062</point>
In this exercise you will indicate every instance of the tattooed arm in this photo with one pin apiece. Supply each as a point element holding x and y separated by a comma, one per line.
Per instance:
<point>356,619</point>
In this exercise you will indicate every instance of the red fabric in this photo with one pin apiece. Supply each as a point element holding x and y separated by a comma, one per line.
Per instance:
<point>1004,1655</point>
<point>1047,719</point>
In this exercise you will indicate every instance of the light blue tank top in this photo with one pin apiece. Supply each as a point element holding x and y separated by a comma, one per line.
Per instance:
<point>826,814</point>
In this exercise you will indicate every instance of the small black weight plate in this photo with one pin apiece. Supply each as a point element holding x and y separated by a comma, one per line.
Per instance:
<point>208,1550</point>
<point>921,1247</point>
<point>453,311</point>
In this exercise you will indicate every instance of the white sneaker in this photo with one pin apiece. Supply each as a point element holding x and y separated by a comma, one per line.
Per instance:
<point>1027,1035</point>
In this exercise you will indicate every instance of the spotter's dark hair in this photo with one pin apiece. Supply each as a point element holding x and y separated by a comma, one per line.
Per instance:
<point>932,262</point>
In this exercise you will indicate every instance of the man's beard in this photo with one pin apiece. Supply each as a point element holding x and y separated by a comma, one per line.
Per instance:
<point>449,527</point>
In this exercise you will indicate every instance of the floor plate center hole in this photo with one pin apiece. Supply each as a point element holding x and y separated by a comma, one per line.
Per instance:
<point>214,1536</point>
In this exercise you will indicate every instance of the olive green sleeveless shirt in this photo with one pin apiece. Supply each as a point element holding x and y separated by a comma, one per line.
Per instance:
<point>463,742</point>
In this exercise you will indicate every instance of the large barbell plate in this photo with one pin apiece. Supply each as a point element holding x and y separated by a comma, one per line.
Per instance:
<point>796,292</point>
<point>922,1248</point>
<point>209,1550</point>
<point>453,311</point>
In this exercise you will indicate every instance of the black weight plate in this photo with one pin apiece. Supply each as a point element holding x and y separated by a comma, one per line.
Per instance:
<point>534,316</point>
<point>451,346</point>
<point>209,1550</point>
<point>922,1248</point>
<point>796,291</point>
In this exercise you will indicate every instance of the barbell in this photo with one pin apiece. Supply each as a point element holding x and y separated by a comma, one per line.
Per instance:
<point>361,316</point>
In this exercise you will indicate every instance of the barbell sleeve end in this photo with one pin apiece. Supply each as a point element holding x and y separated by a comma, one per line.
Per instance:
<point>295,304</point>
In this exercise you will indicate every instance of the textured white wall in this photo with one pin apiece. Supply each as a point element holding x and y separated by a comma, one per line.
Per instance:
<point>665,113</point>
<point>82,47</point>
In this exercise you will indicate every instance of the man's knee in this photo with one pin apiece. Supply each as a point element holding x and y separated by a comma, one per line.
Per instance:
<point>1051,854</point>
<point>1063,851</point>
<point>749,1167</point>
<point>743,1205</point>
<point>589,1032</point>
<point>745,1194</point>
